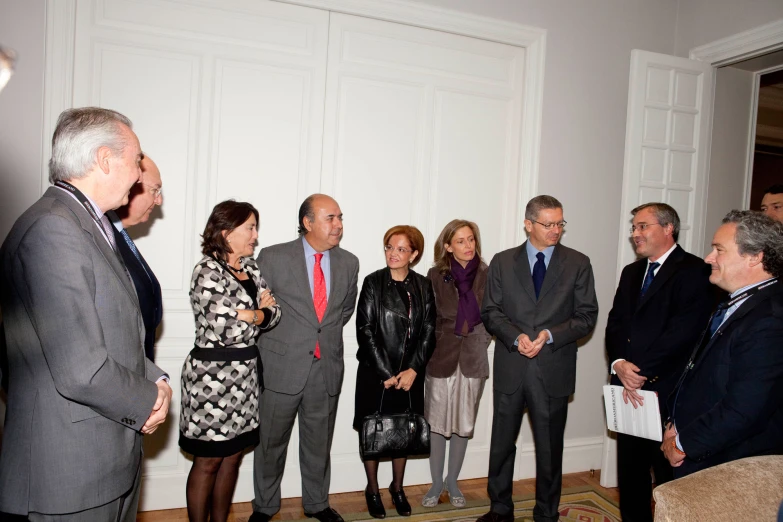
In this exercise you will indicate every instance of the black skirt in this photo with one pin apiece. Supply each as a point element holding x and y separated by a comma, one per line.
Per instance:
<point>369,387</point>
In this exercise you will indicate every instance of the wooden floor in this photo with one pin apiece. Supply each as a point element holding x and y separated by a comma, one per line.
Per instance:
<point>354,502</point>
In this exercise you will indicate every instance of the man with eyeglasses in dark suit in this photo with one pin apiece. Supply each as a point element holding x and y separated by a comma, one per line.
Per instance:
<point>661,306</point>
<point>539,301</point>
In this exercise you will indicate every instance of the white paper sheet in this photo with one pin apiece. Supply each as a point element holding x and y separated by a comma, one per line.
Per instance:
<point>644,421</point>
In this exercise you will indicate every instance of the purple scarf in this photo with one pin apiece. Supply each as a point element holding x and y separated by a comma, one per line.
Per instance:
<point>467,308</point>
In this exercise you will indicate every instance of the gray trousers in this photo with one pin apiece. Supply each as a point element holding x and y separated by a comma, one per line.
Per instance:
<point>317,412</point>
<point>122,509</point>
<point>548,417</point>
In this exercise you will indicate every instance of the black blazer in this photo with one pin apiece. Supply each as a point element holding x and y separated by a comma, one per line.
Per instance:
<point>658,332</point>
<point>730,405</point>
<point>382,324</point>
<point>147,289</point>
<point>566,306</point>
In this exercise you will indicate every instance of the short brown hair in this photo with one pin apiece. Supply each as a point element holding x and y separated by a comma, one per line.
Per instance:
<point>443,256</point>
<point>412,234</point>
<point>226,216</point>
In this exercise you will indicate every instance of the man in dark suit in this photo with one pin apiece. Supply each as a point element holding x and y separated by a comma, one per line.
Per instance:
<point>81,392</point>
<point>539,300</point>
<point>144,197</point>
<point>728,403</point>
<point>661,306</point>
<point>315,284</point>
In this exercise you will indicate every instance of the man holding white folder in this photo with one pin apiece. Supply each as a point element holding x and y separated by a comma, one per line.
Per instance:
<point>661,306</point>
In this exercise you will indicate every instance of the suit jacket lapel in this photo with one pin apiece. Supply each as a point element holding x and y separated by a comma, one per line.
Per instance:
<point>664,273</point>
<point>91,227</point>
<point>738,314</point>
<point>337,287</point>
<point>553,272</point>
<point>523,271</point>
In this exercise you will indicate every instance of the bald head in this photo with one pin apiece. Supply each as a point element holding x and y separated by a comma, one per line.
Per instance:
<point>144,196</point>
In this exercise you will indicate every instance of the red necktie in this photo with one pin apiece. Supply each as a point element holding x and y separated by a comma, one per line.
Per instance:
<point>319,295</point>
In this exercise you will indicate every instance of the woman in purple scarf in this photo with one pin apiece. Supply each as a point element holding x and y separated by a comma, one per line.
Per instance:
<point>458,369</point>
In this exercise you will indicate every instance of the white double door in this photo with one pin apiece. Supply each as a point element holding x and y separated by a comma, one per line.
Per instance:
<point>269,102</point>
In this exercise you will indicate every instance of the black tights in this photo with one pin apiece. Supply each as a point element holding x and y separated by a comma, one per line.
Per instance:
<point>210,487</point>
<point>398,474</point>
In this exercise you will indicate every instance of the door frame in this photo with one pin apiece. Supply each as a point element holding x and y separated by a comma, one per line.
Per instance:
<point>737,48</point>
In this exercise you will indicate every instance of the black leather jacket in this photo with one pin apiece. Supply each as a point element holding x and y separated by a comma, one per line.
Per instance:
<point>382,324</point>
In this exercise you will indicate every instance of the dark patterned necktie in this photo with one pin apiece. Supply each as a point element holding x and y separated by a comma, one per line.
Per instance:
<point>717,317</point>
<point>648,279</point>
<point>539,271</point>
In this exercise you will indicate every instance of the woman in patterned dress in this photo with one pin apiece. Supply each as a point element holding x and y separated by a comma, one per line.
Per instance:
<point>222,375</point>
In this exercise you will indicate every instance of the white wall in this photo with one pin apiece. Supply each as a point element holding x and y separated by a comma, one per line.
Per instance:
<point>701,22</point>
<point>729,156</point>
<point>22,27</point>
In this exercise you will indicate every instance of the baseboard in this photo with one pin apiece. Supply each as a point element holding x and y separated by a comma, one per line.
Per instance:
<point>167,490</point>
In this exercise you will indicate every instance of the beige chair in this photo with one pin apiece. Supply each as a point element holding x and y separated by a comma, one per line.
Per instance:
<point>748,489</point>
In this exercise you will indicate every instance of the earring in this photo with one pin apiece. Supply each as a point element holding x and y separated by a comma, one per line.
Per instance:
<point>229,241</point>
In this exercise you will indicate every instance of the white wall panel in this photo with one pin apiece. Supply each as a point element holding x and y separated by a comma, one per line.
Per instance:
<point>415,122</point>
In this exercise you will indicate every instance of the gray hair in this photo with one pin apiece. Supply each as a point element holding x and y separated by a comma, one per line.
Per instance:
<point>756,234</point>
<point>665,214</point>
<point>539,203</point>
<point>77,138</point>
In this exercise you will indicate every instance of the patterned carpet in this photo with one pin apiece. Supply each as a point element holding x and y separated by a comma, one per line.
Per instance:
<point>583,504</point>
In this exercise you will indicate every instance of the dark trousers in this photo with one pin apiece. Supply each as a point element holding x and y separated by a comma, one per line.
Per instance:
<point>635,457</point>
<point>548,417</point>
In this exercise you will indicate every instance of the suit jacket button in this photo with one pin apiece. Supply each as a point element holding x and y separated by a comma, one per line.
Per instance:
<point>132,422</point>
<point>319,330</point>
<point>311,352</point>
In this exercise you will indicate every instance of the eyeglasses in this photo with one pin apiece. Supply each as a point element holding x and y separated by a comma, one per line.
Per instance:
<point>549,226</point>
<point>156,192</point>
<point>400,250</point>
<point>641,227</point>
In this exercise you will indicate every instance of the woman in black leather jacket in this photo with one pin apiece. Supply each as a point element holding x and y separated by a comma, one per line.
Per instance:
<point>395,328</point>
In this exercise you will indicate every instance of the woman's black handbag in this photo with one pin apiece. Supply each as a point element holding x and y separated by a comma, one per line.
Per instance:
<point>394,435</point>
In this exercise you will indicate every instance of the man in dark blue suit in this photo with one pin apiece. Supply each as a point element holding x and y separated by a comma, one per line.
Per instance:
<point>144,197</point>
<point>728,404</point>
<point>661,305</point>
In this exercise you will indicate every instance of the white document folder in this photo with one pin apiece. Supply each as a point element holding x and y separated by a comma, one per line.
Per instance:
<point>644,421</point>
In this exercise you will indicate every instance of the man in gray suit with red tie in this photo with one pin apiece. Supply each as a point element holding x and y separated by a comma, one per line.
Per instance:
<point>539,301</point>
<point>81,392</point>
<point>144,197</point>
<point>315,284</point>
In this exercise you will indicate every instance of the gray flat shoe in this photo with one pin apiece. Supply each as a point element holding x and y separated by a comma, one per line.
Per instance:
<point>432,501</point>
<point>458,501</point>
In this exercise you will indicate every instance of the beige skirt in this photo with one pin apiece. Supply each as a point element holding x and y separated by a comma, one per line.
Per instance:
<point>451,403</point>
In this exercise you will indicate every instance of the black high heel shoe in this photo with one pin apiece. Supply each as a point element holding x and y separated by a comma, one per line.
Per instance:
<point>400,502</point>
<point>374,504</point>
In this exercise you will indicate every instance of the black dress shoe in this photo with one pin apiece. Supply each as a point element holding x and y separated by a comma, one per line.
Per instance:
<point>496,517</point>
<point>400,502</point>
<point>375,504</point>
<point>326,515</point>
<point>259,517</point>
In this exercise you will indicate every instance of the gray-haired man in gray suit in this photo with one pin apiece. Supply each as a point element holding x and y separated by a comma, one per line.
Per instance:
<point>539,300</point>
<point>315,283</point>
<point>81,392</point>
